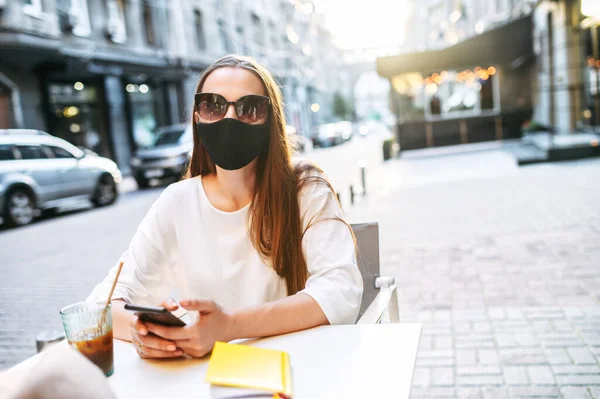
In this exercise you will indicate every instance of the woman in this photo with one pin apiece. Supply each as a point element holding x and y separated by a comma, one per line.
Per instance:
<point>256,244</point>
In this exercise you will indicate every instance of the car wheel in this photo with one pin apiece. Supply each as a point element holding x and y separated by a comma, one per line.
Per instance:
<point>20,207</point>
<point>142,183</point>
<point>105,192</point>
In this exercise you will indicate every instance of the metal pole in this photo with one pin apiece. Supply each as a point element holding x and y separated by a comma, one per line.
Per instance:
<point>594,31</point>
<point>351,195</point>
<point>363,178</point>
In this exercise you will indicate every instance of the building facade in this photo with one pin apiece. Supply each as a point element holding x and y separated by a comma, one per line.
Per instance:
<point>464,74</point>
<point>436,24</point>
<point>459,79</point>
<point>567,95</point>
<point>104,74</point>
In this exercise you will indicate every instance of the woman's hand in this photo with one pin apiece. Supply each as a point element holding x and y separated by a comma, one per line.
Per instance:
<point>150,346</point>
<point>197,339</point>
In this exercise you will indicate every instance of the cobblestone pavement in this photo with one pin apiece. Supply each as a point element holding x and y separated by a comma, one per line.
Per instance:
<point>501,265</point>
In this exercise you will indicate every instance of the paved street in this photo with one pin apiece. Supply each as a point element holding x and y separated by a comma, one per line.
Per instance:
<point>500,263</point>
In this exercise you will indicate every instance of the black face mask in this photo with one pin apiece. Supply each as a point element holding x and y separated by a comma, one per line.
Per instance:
<point>233,144</point>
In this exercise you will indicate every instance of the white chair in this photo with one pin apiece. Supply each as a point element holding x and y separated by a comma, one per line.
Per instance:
<point>380,298</point>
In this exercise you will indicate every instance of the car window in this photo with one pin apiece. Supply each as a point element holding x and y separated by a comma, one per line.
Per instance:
<point>169,137</point>
<point>61,152</point>
<point>32,152</point>
<point>6,153</point>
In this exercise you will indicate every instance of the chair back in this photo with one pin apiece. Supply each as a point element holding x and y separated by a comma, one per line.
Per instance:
<point>367,240</point>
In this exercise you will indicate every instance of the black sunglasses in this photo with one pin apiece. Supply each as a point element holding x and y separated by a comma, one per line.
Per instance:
<point>252,109</point>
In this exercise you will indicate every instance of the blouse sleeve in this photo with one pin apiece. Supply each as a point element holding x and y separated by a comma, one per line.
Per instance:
<point>334,280</point>
<point>147,262</point>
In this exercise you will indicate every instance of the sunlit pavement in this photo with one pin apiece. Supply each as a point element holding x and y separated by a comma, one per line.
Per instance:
<point>500,263</point>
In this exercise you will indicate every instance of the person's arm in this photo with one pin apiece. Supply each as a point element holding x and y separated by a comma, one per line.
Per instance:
<point>334,288</point>
<point>146,266</point>
<point>294,313</point>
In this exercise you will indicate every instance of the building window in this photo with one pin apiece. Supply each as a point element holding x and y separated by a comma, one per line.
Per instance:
<point>257,35</point>
<point>274,37</point>
<point>148,19</point>
<point>241,42</point>
<point>447,94</point>
<point>225,41</point>
<point>77,116</point>
<point>74,17</point>
<point>200,40</point>
<point>143,117</point>
<point>32,7</point>
<point>498,6</point>
<point>116,31</point>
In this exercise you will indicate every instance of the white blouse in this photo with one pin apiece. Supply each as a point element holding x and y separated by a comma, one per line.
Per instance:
<point>186,245</point>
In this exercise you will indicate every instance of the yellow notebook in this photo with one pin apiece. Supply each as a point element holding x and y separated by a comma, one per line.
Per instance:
<point>238,370</point>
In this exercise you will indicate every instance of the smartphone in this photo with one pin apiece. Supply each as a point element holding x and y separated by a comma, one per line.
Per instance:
<point>156,315</point>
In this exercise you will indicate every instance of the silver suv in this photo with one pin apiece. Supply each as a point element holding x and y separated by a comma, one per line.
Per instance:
<point>40,172</point>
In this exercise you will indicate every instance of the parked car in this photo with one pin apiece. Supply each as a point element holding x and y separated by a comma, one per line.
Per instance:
<point>40,172</point>
<point>332,134</point>
<point>167,157</point>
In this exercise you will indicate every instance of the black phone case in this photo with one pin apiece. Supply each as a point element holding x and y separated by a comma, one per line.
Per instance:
<point>156,315</point>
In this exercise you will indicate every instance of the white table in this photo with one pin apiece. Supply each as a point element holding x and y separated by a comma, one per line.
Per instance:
<point>351,361</point>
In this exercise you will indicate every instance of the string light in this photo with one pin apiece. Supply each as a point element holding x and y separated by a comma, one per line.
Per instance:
<point>431,88</point>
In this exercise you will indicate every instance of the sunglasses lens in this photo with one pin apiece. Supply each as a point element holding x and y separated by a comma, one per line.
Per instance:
<point>252,109</point>
<point>211,107</point>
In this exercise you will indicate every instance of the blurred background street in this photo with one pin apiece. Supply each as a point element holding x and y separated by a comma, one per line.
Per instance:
<point>468,129</point>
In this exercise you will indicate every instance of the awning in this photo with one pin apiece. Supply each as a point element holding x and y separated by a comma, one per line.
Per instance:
<point>499,46</point>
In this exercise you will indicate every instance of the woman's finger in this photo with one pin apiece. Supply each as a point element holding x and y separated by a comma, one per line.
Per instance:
<point>154,342</point>
<point>156,353</point>
<point>139,326</point>
<point>149,352</point>
<point>170,304</point>
<point>184,344</point>
<point>201,305</point>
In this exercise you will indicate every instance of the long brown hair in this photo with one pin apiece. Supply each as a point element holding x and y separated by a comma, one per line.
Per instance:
<point>275,223</point>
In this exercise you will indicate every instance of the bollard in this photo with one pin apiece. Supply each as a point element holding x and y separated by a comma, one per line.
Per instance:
<point>45,339</point>
<point>351,195</point>
<point>363,177</point>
